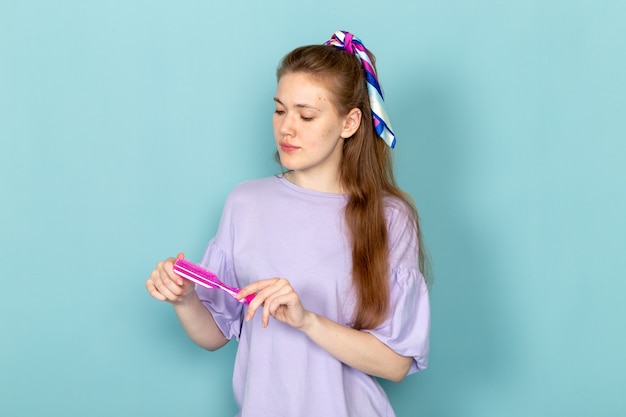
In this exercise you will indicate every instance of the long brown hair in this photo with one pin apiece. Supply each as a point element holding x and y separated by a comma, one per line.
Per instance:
<point>366,174</point>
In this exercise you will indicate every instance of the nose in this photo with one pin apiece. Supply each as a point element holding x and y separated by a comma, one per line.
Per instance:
<point>286,126</point>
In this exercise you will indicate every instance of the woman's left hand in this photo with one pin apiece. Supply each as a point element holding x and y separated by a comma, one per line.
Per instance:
<point>278,299</point>
<point>357,349</point>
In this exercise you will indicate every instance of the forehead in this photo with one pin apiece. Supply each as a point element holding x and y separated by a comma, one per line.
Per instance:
<point>302,88</point>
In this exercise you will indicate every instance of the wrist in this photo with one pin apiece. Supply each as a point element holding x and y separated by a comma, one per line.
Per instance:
<point>186,299</point>
<point>309,322</point>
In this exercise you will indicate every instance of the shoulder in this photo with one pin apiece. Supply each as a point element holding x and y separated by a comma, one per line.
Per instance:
<point>253,189</point>
<point>402,232</point>
<point>252,186</point>
<point>398,213</point>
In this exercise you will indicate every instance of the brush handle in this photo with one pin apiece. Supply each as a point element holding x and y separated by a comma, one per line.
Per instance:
<point>207,279</point>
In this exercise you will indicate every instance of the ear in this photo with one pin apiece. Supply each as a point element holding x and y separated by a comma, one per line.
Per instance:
<point>352,123</point>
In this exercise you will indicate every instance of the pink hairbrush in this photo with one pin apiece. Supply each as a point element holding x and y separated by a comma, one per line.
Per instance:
<point>207,279</point>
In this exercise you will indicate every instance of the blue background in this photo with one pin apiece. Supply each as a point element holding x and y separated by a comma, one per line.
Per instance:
<point>124,124</point>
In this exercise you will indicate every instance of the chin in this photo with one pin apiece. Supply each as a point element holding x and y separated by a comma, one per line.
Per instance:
<point>286,162</point>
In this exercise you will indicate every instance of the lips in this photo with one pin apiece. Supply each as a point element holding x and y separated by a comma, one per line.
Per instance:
<point>286,147</point>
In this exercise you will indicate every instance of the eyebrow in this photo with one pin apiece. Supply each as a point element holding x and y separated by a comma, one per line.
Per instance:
<point>303,106</point>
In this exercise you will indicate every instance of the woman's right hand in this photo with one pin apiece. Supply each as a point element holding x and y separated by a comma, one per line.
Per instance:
<point>165,285</point>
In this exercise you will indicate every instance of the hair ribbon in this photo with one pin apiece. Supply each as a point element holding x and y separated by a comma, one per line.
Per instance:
<point>353,45</point>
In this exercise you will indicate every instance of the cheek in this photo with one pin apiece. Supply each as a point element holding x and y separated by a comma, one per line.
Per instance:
<point>330,132</point>
<point>275,125</point>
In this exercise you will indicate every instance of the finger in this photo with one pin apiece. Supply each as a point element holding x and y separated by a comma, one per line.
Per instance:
<point>153,291</point>
<point>263,289</point>
<point>276,287</point>
<point>255,287</point>
<point>278,299</point>
<point>287,299</point>
<point>161,293</point>
<point>252,308</point>
<point>188,286</point>
<point>165,292</point>
<point>171,281</point>
<point>168,288</point>
<point>168,268</point>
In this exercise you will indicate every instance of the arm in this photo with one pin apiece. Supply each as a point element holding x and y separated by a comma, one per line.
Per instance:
<point>198,323</point>
<point>357,349</point>
<point>196,319</point>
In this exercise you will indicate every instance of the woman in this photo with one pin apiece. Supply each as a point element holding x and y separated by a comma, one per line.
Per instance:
<point>330,247</point>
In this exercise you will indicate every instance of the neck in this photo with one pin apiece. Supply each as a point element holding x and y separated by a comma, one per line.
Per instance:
<point>327,183</point>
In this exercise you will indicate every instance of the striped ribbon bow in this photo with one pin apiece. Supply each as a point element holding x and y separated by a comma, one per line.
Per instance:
<point>353,45</point>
